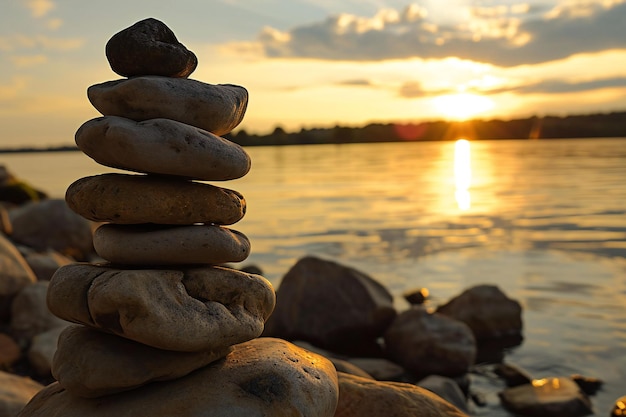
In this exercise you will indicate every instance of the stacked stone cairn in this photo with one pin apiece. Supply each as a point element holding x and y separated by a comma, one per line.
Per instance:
<point>163,328</point>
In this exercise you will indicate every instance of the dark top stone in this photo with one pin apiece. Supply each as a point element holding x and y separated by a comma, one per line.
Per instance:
<point>149,47</point>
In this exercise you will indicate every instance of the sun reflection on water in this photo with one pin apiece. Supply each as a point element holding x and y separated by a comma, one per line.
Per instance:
<point>462,174</point>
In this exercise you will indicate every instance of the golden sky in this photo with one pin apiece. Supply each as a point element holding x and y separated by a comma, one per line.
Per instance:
<point>318,63</point>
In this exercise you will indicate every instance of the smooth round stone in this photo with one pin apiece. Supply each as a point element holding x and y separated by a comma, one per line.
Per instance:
<point>135,199</point>
<point>188,310</point>
<point>149,47</point>
<point>90,363</point>
<point>215,108</point>
<point>262,377</point>
<point>162,146</point>
<point>175,245</point>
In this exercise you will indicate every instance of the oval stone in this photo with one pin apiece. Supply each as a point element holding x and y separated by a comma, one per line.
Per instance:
<point>176,245</point>
<point>162,146</point>
<point>149,47</point>
<point>215,108</point>
<point>188,310</point>
<point>262,377</point>
<point>90,363</point>
<point>135,199</point>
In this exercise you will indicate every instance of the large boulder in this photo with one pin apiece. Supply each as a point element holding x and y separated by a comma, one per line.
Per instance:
<point>50,224</point>
<point>15,274</point>
<point>554,397</point>
<point>332,306</point>
<point>426,343</point>
<point>362,397</point>
<point>262,377</point>
<point>487,311</point>
<point>15,392</point>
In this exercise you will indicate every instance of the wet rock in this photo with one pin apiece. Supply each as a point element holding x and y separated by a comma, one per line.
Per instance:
<point>555,397</point>
<point>487,311</point>
<point>360,397</point>
<point>30,315</point>
<point>512,375</point>
<point>263,377</point>
<point>15,274</point>
<point>619,409</point>
<point>15,392</point>
<point>447,389</point>
<point>416,296</point>
<point>214,108</point>
<point>136,199</point>
<point>588,385</point>
<point>162,146</point>
<point>332,306</point>
<point>149,47</point>
<point>194,309</point>
<point>426,343</point>
<point>90,364</point>
<point>164,245</point>
<point>51,224</point>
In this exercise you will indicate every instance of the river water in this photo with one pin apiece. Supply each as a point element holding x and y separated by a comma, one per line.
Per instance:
<point>545,220</point>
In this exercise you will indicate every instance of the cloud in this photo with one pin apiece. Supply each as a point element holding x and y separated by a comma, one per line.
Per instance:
<point>504,35</point>
<point>25,61</point>
<point>559,86</point>
<point>39,8</point>
<point>12,90</point>
<point>21,42</point>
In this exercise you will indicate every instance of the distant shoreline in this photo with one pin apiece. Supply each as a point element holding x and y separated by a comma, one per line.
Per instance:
<point>601,125</point>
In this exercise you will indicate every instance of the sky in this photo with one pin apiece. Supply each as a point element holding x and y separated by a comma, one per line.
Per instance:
<point>321,63</point>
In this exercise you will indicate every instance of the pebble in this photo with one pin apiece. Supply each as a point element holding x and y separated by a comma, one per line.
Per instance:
<point>170,245</point>
<point>136,199</point>
<point>190,310</point>
<point>162,146</point>
<point>214,108</point>
<point>149,47</point>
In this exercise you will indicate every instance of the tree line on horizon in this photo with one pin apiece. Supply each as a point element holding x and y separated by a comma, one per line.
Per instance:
<point>547,127</point>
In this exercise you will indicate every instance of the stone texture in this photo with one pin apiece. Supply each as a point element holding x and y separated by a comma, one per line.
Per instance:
<point>619,408</point>
<point>136,199</point>
<point>30,314</point>
<point>51,224</point>
<point>176,245</point>
<point>380,368</point>
<point>162,146</point>
<point>263,377</point>
<point>361,397</point>
<point>90,363</point>
<point>447,389</point>
<point>426,343</point>
<point>15,274</point>
<point>554,397</point>
<point>512,375</point>
<point>487,311</point>
<point>149,47</point>
<point>15,392</point>
<point>349,368</point>
<point>332,306</point>
<point>193,309</point>
<point>215,108</point>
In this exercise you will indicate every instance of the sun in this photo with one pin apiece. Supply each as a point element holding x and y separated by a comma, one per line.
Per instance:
<point>462,106</point>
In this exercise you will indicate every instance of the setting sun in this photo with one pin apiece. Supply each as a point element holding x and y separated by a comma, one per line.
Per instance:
<point>462,106</point>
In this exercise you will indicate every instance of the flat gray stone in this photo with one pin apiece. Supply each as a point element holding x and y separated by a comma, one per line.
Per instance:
<point>89,363</point>
<point>149,47</point>
<point>215,108</point>
<point>263,377</point>
<point>136,199</point>
<point>176,245</point>
<point>162,146</point>
<point>187,310</point>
